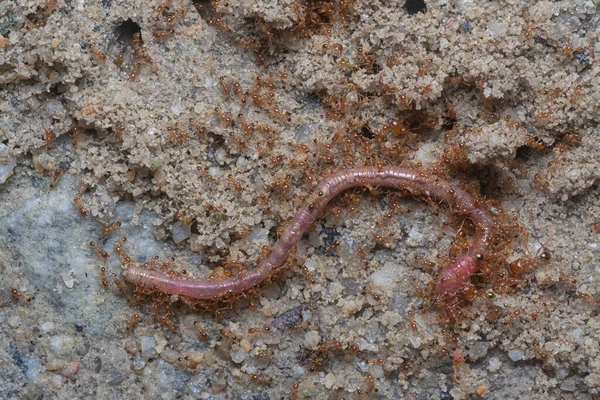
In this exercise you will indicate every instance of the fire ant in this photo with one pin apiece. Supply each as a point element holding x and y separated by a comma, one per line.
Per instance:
<point>575,95</point>
<point>167,321</point>
<point>522,265</point>
<point>374,295</point>
<point>201,332</point>
<point>100,55</point>
<point>371,385</point>
<point>261,379</point>
<point>103,253</point>
<point>411,321</point>
<point>18,295</point>
<point>134,320</point>
<point>541,354</point>
<point>513,316</point>
<point>426,65</point>
<point>111,228</point>
<point>81,206</point>
<point>295,390</point>
<point>309,277</point>
<point>37,25</point>
<point>263,354</point>
<point>103,279</point>
<point>48,135</point>
<point>54,176</point>
<point>252,331</point>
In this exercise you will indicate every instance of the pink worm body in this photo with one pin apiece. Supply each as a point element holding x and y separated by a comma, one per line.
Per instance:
<point>452,276</point>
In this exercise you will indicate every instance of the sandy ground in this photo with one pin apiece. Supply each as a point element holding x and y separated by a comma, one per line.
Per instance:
<point>200,126</point>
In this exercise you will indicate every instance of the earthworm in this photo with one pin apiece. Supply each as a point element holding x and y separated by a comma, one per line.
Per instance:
<point>451,278</point>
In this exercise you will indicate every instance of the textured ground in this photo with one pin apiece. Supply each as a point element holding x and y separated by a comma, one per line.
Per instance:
<point>200,126</point>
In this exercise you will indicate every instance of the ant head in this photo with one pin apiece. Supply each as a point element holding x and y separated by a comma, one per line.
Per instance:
<point>544,254</point>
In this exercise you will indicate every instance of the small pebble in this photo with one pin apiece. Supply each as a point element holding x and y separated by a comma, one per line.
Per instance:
<point>478,350</point>
<point>385,279</point>
<point>169,355</point>
<point>71,369</point>
<point>335,289</point>
<point>365,345</point>
<point>347,253</point>
<point>5,298</point>
<point>288,318</point>
<point>168,379</point>
<point>56,381</point>
<point>377,371</point>
<point>82,348</point>
<point>68,278</point>
<point>114,379</point>
<point>62,344</point>
<point>363,366</point>
<point>148,346</point>
<point>180,231</point>
<point>33,369</point>
<point>304,132</point>
<point>570,384</point>
<point>297,370</point>
<point>329,380</point>
<point>415,341</point>
<point>311,265</point>
<point>562,373</point>
<point>47,327</point>
<point>161,343</point>
<point>56,109</point>
<point>495,364</point>
<point>516,354</point>
<point>238,355</point>
<point>138,363</point>
<point>351,287</point>
<point>390,318</point>
<point>14,321</point>
<point>55,364</point>
<point>218,382</point>
<point>312,340</point>
<point>196,357</point>
<point>245,345</point>
<point>130,346</point>
<point>352,97</point>
<point>331,272</point>
<point>415,238</point>
<point>7,163</point>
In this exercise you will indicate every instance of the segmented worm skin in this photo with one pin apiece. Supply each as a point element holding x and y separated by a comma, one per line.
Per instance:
<point>452,276</point>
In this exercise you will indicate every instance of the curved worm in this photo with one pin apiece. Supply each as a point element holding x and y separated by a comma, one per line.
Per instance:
<point>452,276</point>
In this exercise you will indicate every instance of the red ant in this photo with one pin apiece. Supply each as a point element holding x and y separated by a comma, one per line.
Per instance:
<point>522,265</point>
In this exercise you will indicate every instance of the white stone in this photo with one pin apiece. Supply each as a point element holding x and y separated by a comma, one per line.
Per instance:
<point>7,163</point>
<point>14,321</point>
<point>329,380</point>
<point>494,364</point>
<point>516,354</point>
<point>62,344</point>
<point>180,231</point>
<point>386,278</point>
<point>312,340</point>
